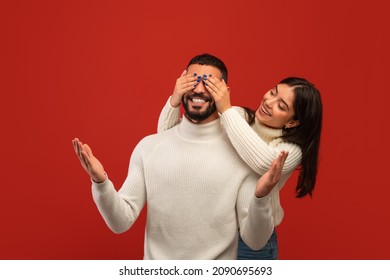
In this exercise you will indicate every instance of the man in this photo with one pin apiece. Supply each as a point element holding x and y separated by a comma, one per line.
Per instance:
<point>197,189</point>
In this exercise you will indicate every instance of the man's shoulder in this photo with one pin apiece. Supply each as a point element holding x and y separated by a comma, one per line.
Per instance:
<point>153,140</point>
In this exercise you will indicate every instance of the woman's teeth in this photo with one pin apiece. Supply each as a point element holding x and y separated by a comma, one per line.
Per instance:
<point>264,111</point>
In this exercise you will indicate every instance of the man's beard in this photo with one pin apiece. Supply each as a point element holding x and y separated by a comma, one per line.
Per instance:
<point>198,116</point>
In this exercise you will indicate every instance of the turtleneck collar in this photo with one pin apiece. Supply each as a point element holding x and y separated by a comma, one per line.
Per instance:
<point>199,132</point>
<point>267,133</point>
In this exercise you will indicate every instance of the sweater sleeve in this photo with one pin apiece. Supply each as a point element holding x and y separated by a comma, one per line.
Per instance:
<point>120,209</point>
<point>254,215</point>
<point>169,117</point>
<point>252,149</point>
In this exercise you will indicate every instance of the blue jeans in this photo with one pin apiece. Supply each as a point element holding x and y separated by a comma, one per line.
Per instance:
<point>268,252</point>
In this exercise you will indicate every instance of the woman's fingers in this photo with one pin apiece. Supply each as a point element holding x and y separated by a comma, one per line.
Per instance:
<point>278,164</point>
<point>186,83</point>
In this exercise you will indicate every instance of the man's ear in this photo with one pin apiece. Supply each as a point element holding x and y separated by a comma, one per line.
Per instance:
<point>292,123</point>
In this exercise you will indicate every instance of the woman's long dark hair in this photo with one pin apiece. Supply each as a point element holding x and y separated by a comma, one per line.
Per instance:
<point>308,111</point>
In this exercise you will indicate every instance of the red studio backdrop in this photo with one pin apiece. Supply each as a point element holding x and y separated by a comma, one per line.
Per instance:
<point>102,70</point>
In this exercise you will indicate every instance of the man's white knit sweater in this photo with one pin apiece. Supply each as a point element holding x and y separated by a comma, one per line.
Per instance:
<point>198,192</point>
<point>258,145</point>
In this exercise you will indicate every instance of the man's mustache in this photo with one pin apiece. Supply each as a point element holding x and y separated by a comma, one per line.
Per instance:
<point>199,96</point>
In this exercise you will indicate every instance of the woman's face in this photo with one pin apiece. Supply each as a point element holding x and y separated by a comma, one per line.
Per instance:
<point>276,109</point>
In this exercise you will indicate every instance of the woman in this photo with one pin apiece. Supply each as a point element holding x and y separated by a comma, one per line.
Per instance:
<point>289,118</point>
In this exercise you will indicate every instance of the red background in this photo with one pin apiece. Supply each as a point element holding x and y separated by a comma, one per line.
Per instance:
<point>102,71</point>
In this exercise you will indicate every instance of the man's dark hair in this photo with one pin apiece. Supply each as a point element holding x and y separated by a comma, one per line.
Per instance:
<point>208,59</point>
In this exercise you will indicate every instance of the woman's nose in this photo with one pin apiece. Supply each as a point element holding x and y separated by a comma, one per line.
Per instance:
<point>269,102</point>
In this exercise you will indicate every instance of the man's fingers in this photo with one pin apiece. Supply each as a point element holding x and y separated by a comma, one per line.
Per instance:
<point>85,160</point>
<point>82,150</point>
<point>78,148</point>
<point>87,150</point>
<point>74,143</point>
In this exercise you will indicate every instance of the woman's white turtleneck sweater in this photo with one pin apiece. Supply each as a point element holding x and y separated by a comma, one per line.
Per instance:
<point>258,145</point>
<point>198,192</point>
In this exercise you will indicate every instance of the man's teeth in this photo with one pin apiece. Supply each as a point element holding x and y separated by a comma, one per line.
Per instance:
<point>198,100</point>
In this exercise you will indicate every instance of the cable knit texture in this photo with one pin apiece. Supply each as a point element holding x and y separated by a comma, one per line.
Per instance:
<point>258,145</point>
<point>198,193</point>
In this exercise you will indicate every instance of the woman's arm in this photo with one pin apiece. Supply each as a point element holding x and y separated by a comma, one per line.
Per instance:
<point>257,153</point>
<point>254,150</point>
<point>170,114</point>
<point>169,117</point>
<point>255,211</point>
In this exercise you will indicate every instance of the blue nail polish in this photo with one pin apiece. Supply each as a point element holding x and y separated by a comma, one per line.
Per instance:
<point>198,80</point>
<point>195,74</point>
<point>199,77</point>
<point>204,75</point>
<point>205,78</point>
<point>206,84</point>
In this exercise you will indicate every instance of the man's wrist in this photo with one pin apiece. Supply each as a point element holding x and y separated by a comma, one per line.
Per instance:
<point>100,180</point>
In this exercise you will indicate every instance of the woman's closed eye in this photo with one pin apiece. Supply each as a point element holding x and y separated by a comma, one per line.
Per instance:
<point>282,107</point>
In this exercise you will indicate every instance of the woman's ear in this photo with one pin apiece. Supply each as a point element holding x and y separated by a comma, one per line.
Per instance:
<point>292,123</point>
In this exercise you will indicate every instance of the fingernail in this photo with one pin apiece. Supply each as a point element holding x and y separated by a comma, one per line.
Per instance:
<point>206,84</point>
<point>198,80</point>
<point>195,74</point>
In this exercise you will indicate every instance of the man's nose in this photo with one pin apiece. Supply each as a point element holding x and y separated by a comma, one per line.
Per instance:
<point>200,88</point>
